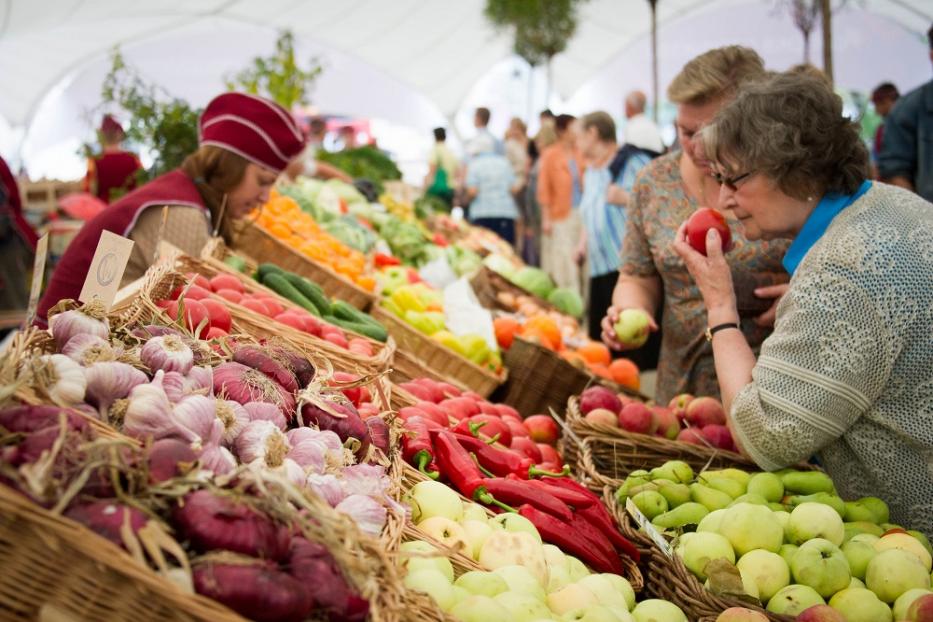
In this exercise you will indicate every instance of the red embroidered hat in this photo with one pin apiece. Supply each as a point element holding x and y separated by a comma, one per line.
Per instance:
<point>257,129</point>
<point>110,125</point>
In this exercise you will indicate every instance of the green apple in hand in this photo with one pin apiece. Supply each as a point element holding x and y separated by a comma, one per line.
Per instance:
<point>632,328</point>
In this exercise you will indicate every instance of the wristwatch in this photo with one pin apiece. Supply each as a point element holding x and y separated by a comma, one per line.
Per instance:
<point>715,329</point>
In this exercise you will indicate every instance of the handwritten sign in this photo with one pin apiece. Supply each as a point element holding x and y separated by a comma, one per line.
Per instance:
<point>38,272</point>
<point>106,271</point>
<point>647,527</point>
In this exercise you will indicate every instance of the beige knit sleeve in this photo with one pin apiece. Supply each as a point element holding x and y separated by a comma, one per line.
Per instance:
<point>826,363</point>
<point>186,227</point>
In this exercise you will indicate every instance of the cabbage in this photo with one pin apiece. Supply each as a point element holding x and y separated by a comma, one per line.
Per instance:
<point>534,280</point>
<point>567,301</point>
<point>498,263</point>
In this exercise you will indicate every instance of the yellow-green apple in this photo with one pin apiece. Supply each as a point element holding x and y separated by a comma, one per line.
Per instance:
<point>794,600</point>
<point>503,548</point>
<point>921,610</point>
<point>858,554</point>
<point>479,608</point>
<point>604,591</point>
<point>599,397</point>
<point>922,538</point>
<point>420,555</point>
<point>558,578</point>
<point>741,614</point>
<point>460,595</point>
<point>623,587</point>
<point>522,607</point>
<point>822,565</point>
<point>519,579</point>
<point>542,429</point>
<point>430,498</point>
<point>749,527</point>
<point>572,596</point>
<point>860,605</point>
<point>820,613</point>
<point>596,613</point>
<point>673,470</point>
<point>482,583</point>
<point>476,532</point>
<point>554,557</point>
<point>814,520</point>
<point>657,610</point>
<point>434,584</point>
<point>633,327</point>
<point>736,475</point>
<point>513,523</point>
<point>449,533</point>
<point>892,572</point>
<point>558,568</point>
<point>768,485</point>
<point>711,521</point>
<point>704,547</point>
<point>768,570</point>
<point>856,582</point>
<point>905,600</point>
<point>651,503</point>
<point>474,511</point>
<point>905,542</point>
<point>787,552</point>
<point>668,425</point>
<point>703,411</point>
<point>637,418</point>
<point>577,569</point>
<point>602,416</point>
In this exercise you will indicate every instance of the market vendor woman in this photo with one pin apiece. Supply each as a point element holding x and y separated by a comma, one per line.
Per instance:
<point>847,374</point>
<point>244,143</point>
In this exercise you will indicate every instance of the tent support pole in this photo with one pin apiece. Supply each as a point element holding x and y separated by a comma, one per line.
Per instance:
<point>654,59</point>
<point>827,10</point>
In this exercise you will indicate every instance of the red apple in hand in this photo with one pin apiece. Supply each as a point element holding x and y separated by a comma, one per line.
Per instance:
<point>702,221</point>
<point>542,429</point>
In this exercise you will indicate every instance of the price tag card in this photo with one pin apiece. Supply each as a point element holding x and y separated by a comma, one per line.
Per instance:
<point>648,528</point>
<point>106,271</point>
<point>38,272</point>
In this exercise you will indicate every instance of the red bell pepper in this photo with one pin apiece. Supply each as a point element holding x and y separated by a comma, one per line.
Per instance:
<point>519,492</point>
<point>562,535</point>
<point>416,446</point>
<point>381,260</point>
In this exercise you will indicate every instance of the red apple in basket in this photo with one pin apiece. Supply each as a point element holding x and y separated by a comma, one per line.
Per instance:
<point>692,436</point>
<point>718,436</point>
<point>668,424</point>
<point>601,416</point>
<point>599,397</point>
<point>637,418</point>
<point>705,410</point>
<point>702,221</point>
<point>542,429</point>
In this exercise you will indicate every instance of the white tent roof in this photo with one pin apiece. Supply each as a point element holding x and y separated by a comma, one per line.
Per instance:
<point>413,62</point>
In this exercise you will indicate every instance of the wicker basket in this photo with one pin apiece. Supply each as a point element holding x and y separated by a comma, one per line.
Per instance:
<point>488,284</point>
<point>259,245</point>
<point>539,379</point>
<point>438,357</point>
<point>668,578</point>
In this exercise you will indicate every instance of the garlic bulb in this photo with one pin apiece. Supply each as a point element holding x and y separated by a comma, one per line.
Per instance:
<point>175,386</point>
<point>62,379</point>
<point>149,414</point>
<point>109,381</point>
<point>292,471</point>
<point>262,441</point>
<point>168,353</point>
<point>233,417</point>
<point>326,487</point>
<point>264,411</point>
<point>310,454</point>
<point>200,380</point>
<point>196,412</point>
<point>86,349</point>
<point>217,459</point>
<point>88,320</point>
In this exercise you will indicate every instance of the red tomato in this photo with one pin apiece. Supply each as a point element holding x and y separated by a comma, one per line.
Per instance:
<point>527,447</point>
<point>191,292</point>
<point>274,306</point>
<point>361,347</point>
<point>230,294</point>
<point>702,221</point>
<point>200,280</point>
<point>220,316</point>
<point>215,333</point>
<point>195,316</point>
<point>257,306</point>
<point>336,338</point>
<point>550,455</point>
<point>290,319</point>
<point>226,281</point>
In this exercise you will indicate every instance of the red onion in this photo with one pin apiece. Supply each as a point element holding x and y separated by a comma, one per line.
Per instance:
<point>315,567</point>
<point>170,458</point>
<point>106,518</point>
<point>211,522</point>
<point>379,433</point>
<point>31,418</point>
<point>347,426</point>
<point>243,384</point>
<point>258,359</point>
<point>298,365</point>
<point>258,590</point>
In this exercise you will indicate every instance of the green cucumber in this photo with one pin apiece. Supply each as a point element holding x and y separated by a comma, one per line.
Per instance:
<point>280,285</point>
<point>346,311</point>
<point>267,268</point>
<point>311,291</point>
<point>377,333</point>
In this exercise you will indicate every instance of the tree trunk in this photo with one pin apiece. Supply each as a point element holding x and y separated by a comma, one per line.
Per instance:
<point>827,10</point>
<point>654,59</point>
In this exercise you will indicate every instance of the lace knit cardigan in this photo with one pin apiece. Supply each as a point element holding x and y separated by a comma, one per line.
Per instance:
<point>847,374</point>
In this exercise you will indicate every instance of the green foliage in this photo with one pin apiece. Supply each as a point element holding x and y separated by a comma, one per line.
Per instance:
<point>542,28</point>
<point>363,162</point>
<point>167,125</point>
<point>278,77</point>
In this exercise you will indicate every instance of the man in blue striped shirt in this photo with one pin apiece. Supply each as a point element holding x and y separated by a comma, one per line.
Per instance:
<point>603,222</point>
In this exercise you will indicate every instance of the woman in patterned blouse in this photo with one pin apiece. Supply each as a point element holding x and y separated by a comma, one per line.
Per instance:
<point>666,192</point>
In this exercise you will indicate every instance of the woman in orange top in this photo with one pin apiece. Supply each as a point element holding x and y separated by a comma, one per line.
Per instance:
<point>560,186</point>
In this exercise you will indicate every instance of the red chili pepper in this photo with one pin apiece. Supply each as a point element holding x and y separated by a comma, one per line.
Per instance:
<point>416,446</point>
<point>519,492</point>
<point>440,240</point>
<point>570,497</point>
<point>590,533</point>
<point>562,535</point>
<point>381,260</point>
<point>500,462</point>
<point>458,466</point>
<point>598,516</point>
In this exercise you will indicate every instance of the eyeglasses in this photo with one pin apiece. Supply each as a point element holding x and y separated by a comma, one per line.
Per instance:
<point>730,182</point>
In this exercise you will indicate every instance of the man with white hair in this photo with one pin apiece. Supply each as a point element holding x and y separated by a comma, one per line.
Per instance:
<point>640,131</point>
<point>489,183</point>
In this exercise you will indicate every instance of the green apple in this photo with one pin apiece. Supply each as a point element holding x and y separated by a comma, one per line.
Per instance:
<point>794,599</point>
<point>520,580</point>
<point>787,552</point>
<point>558,578</point>
<point>858,555</point>
<point>577,569</point>
<point>482,583</point>
<point>460,595</point>
<point>511,522</point>
<point>476,532</point>
<point>822,565</point>
<point>573,596</point>
<point>905,542</point>
<point>632,328</point>
<point>857,583</point>
<point>657,610</point>
<point>676,471</point>
<point>768,570</point>
<point>704,547</point>
<point>651,503</point>
<point>430,498</point>
<point>892,572</point>
<point>425,556</point>
<point>749,527</point>
<point>868,538</point>
<point>596,613</point>
<point>858,605</point>
<point>474,511</point>
<point>554,557</point>
<point>479,609</point>
<point>768,485</point>
<point>503,548</point>
<point>622,586</point>
<point>748,584</point>
<point>815,520</point>
<point>522,607</point>
<point>905,600</point>
<point>449,533</point>
<point>712,521</point>
<point>434,584</point>
<point>604,591</point>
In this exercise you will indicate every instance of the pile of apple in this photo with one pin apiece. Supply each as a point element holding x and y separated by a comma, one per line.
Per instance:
<point>788,540</point>
<point>695,420</point>
<point>526,580</point>
<point>535,436</point>
<point>203,296</point>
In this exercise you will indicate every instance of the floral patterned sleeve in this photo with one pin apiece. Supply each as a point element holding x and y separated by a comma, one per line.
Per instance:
<point>637,259</point>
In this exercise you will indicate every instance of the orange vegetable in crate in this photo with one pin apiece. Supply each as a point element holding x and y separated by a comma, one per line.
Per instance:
<point>539,337</point>
<point>595,353</point>
<point>546,326</point>
<point>505,327</point>
<point>601,370</point>
<point>624,372</point>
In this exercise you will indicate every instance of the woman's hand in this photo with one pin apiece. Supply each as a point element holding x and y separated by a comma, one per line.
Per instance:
<point>776,292</point>
<point>609,331</point>
<point>711,274</point>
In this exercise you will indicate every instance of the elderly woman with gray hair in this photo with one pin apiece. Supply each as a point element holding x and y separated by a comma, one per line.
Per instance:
<point>847,374</point>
